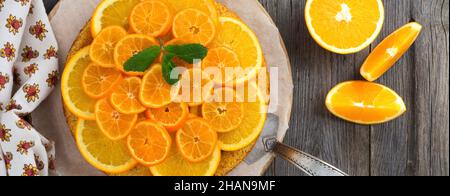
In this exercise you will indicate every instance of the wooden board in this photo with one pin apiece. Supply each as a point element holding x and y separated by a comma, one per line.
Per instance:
<point>415,144</point>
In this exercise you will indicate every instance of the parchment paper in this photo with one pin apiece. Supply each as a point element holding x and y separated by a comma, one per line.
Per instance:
<point>69,17</point>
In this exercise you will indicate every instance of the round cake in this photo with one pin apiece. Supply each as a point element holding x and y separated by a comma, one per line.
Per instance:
<point>229,160</point>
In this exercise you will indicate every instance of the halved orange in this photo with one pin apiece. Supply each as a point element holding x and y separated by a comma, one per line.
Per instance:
<point>155,92</point>
<point>224,113</point>
<point>112,13</point>
<point>196,140</point>
<point>239,38</point>
<point>195,87</point>
<point>130,46</point>
<point>153,18</point>
<point>99,81</point>
<point>194,26</point>
<point>221,62</point>
<point>206,6</point>
<point>125,98</point>
<point>390,51</point>
<point>172,116</point>
<point>344,26</point>
<point>101,152</point>
<point>149,143</point>
<point>364,102</point>
<point>74,97</point>
<point>102,48</point>
<point>113,124</point>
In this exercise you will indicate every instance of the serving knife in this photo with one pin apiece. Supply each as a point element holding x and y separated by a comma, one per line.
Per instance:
<point>307,163</point>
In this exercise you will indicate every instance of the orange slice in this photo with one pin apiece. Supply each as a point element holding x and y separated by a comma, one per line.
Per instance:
<point>344,26</point>
<point>239,38</point>
<point>125,98</point>
<point>364,102</point>
<point>155,92</point>
<point>195,87</point>
<point>153,18</point>
<point>194,26</point>
<point>74,97</point>
<point>221,62</point>
<point>390,51</point>
<point>172,116</point>
<point>225,113</point>
<point>112,13</point>
<point>130,46</point>
<point>104,154</point>
<point>255,114</point>
<point>113,124</point>
<point>102,48</point>
<point>98,81</point>
<point>206,6</point>
<point>149,143</point>
<point>196,140</point>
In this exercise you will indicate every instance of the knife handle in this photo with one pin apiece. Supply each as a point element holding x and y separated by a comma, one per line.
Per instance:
<point>307,163</point>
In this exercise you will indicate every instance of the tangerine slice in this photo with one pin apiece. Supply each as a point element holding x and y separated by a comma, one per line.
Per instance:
<point>221,62</point>
<point>196,140</point>
<point>155,92</point>
<point>149,143</point>
<point>194,26</point>
<point>99,81</point>
<point>113,124</point>
<point>364,102</point>
<point>102,48</point>
<point>224,113</point>
<point>194,87</point>
<point>125,98</point>
<point>172,116</point>
<point>130,46</point>
<point>153,18</point>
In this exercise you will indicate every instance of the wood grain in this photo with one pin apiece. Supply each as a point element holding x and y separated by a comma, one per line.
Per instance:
<point>415,144</point>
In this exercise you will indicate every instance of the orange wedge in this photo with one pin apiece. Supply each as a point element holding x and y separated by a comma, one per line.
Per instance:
<point>102,48</point>
<point>155,92</point>
<point>153,18</point>
<point>344,26</point>
<point>206,6</point>
<point>172,116</point>
<point>99,81</point>
<point>195,87</point>
<point>125,98</point>
<point>113,124</point>
<point>196,140</point>
<point>221,62</point>
<point>112,13</point>
<point>238,37</point>
<point>149,143</point>
<point>194,26</point>
<point>224,113</point>
<point>390,51</point>
<point>364,102</point>
<point>130,46</point>
<point>74,97</point>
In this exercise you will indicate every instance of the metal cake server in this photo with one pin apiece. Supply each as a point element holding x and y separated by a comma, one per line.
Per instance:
<point>268,142</point>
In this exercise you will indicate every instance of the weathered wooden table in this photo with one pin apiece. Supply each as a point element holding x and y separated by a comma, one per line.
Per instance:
<point>415,144</point>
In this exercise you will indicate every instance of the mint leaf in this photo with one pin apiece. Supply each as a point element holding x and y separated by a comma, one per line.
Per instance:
<point>142,61</point>
<point>188,52</point>
<point>167,67</point>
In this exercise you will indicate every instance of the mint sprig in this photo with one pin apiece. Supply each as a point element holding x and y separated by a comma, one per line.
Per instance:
<point>188,53</point>
<point>142,60</point>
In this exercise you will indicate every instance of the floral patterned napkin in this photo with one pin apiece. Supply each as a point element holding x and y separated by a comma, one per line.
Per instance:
<point>28,74</point>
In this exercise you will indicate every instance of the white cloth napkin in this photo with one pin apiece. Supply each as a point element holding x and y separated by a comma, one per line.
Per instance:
<point>28,67</point>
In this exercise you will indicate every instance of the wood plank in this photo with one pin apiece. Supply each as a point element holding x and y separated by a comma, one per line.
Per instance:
<point>315,72</point>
